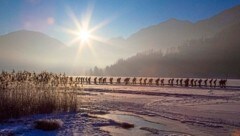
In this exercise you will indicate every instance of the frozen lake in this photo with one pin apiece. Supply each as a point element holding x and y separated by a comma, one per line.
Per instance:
<point>152,109</point>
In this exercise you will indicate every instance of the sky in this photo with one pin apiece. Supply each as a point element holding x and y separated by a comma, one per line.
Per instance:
<point>117,18</point>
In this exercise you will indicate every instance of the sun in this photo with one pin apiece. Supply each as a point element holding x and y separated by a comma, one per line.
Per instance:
<point>84,35</point>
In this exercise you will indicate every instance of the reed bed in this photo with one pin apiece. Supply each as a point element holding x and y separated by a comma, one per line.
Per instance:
<point>23,102</point>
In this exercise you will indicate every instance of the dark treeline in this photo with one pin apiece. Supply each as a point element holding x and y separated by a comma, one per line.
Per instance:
<point>218,56</point>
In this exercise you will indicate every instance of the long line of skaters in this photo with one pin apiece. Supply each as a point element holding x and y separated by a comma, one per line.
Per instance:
<point>158,82</point>
<point>47,79</point>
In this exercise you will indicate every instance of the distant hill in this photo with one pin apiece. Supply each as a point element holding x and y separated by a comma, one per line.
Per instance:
<point>174,32</point>
<point>32,51</point>
<point>217,56</point>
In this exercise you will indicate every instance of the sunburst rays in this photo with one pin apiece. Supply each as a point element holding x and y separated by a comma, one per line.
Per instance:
<point>83,35</point>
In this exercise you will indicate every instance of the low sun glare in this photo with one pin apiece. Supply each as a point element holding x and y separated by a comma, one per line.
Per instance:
<point>84,35</point>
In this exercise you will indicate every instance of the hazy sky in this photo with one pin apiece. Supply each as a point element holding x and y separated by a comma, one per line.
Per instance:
<point>123,17</point>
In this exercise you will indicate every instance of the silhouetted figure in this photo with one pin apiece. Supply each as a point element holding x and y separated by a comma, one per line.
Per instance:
<point>215,83</point>
<point>105,80</point>
<point>76,79</point>
<point>210,82</point>
<point>222,83</point>
<point>89,80</point>
<point>157,81</point>
<point>150,81</point>
<point>195,82</point>
<point>126,80</point>
<point>134,80</point>
<point>95,80</point>
<point>172,82</point>
<point>191,82</point>
<point>200,82</point>
<point>169,81</point>
<point>186,82</point>
<point>81,80</point>
<point>181,82</point>
<point>111,80</point>
<point>70,81</point>
<point>177,81</point>
<point>100,80</point>
<point>205,82</point>
<point>145,81</point>
<point>119,80</point>
<point>140,81</point>
<point>162,82</point>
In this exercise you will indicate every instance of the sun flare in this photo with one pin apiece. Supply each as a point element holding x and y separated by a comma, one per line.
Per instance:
<point>84,35</point>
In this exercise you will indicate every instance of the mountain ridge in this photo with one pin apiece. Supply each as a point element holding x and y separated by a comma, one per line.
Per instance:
<point>213,57</point>
<point>174,32</point>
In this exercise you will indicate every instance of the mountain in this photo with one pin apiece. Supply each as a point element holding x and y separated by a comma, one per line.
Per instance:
<point>217,56</point>
<point>33,51</point>
<point>174,32</point>
<point>220,21</point>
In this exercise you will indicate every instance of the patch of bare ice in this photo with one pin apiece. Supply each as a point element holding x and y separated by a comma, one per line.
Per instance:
<point>74,124</point>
